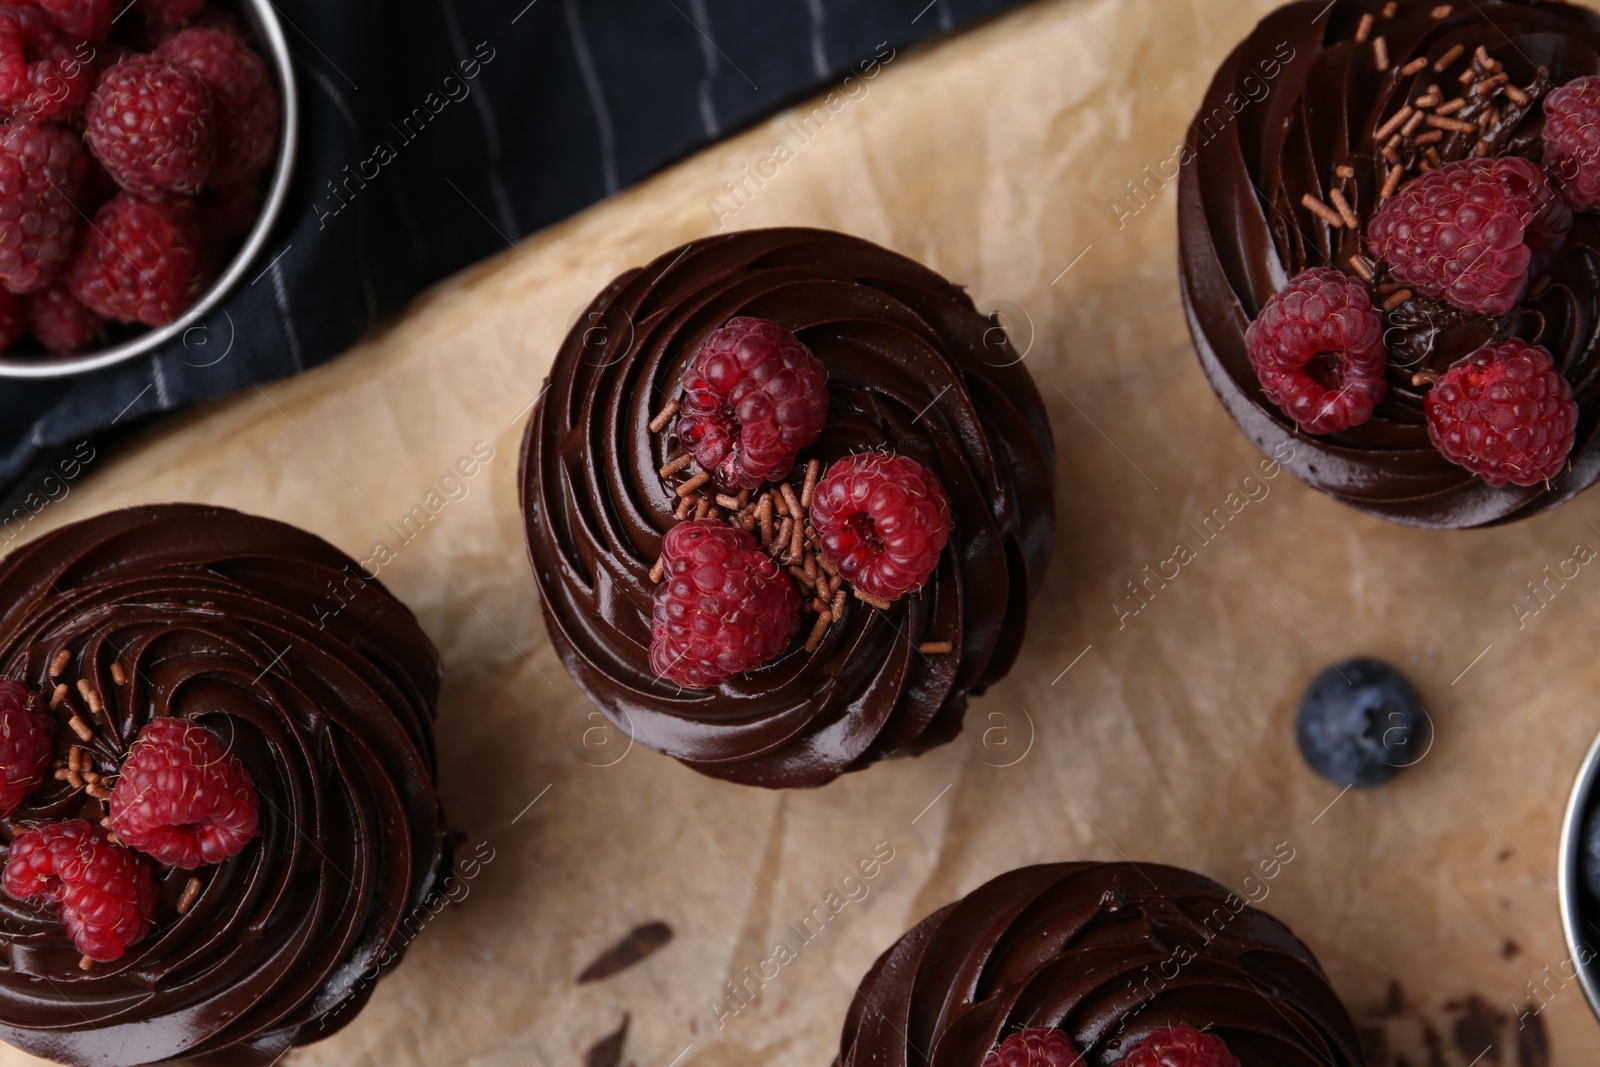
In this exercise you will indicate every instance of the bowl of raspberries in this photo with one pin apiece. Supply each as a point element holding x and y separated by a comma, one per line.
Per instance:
<point>145,153</point>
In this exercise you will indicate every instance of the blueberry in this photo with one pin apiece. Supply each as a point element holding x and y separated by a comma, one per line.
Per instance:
<point>1361,723</point>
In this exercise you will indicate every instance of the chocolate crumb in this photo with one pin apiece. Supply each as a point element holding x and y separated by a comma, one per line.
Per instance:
<point>1396,1002</point>
<point>1375,1043</point>
<point>607,1052</point>
<point>1533,1044</point>
<point>640,944</point>
<point>1477,1032</point>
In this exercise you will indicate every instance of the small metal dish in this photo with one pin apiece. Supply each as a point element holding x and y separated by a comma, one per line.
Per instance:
<point>1580,914</point>
<point>263,21</point>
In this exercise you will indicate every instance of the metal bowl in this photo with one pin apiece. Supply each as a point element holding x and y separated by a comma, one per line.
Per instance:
<point>1580,914</point>
<point>263,20</point>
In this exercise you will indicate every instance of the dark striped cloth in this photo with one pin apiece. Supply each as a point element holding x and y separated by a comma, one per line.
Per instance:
<point>437,131</point>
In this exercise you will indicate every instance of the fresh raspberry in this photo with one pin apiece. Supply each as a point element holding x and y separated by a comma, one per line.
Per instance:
<point>153,125</point>
<point>723,607</point>
<point>104,894</point>
<point>248,113</point>
<point>1036,1046</point>
<point>229,210</point>
<point>170,12</point>
<point>82,20</point>
<point>182,797</point>
<point>27,744</point>
<point>1572,140</point>
<point>13,318</point>
<point>754,397</point>
<point>1180,1046</point>
<point>1505,414</point>
<point>42,74</point>
<point>59,321</point>
<point>42,168</point>
<point>1472,232</point>
<point>883,520</point>
<point>140,262</point>
<point>1317,349</point>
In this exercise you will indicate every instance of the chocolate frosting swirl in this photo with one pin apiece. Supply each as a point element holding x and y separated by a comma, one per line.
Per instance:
<point>1300,97</point>
<point>912,366</point>
<point>1106,953</point>
<point>323,685</point>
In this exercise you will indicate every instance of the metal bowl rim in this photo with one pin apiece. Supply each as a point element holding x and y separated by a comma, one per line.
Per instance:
<point>1569,876</point>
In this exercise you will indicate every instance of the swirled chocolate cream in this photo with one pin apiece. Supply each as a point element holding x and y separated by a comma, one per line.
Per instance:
<point>1388,244</point>
<point>788,496</point>
<point>1137,965</point>
<point>218,803</point>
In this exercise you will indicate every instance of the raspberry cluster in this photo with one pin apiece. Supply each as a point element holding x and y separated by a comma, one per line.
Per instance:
<point>731,587</point>
<point>181,799</point>
<point>1475,233</point>
<point>134,142</point>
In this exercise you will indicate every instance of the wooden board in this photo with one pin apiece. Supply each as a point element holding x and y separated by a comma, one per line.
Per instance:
<point>1162,735</point>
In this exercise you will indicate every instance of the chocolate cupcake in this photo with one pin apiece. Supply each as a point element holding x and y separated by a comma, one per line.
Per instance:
<point>1405,146</point>
<point>858,476</point>
<point>294,698</point>
<point>1099,963</point>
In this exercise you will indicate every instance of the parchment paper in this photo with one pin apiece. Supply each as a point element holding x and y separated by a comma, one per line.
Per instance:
<point>1163,735</point>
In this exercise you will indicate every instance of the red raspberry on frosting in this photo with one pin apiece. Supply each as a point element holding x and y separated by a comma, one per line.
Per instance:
<point>1472,232</point>
<point>182,797</point>
<point>43,75</point>
<point>60,321</point>
<point>1572,140</point>
<point>754,397</point>
<point>27,744</point>
<point>1317,349</point>
<point>1505,414</point>
<point>104,894</point>
<point>723,607</point>
<point>883,520</point>
<point>42,168</point>
<point>140,262</point>
<point>246,99</point>
<point>152,124</point>
<point>1180,1046</point>
<point>1036,1046</point>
